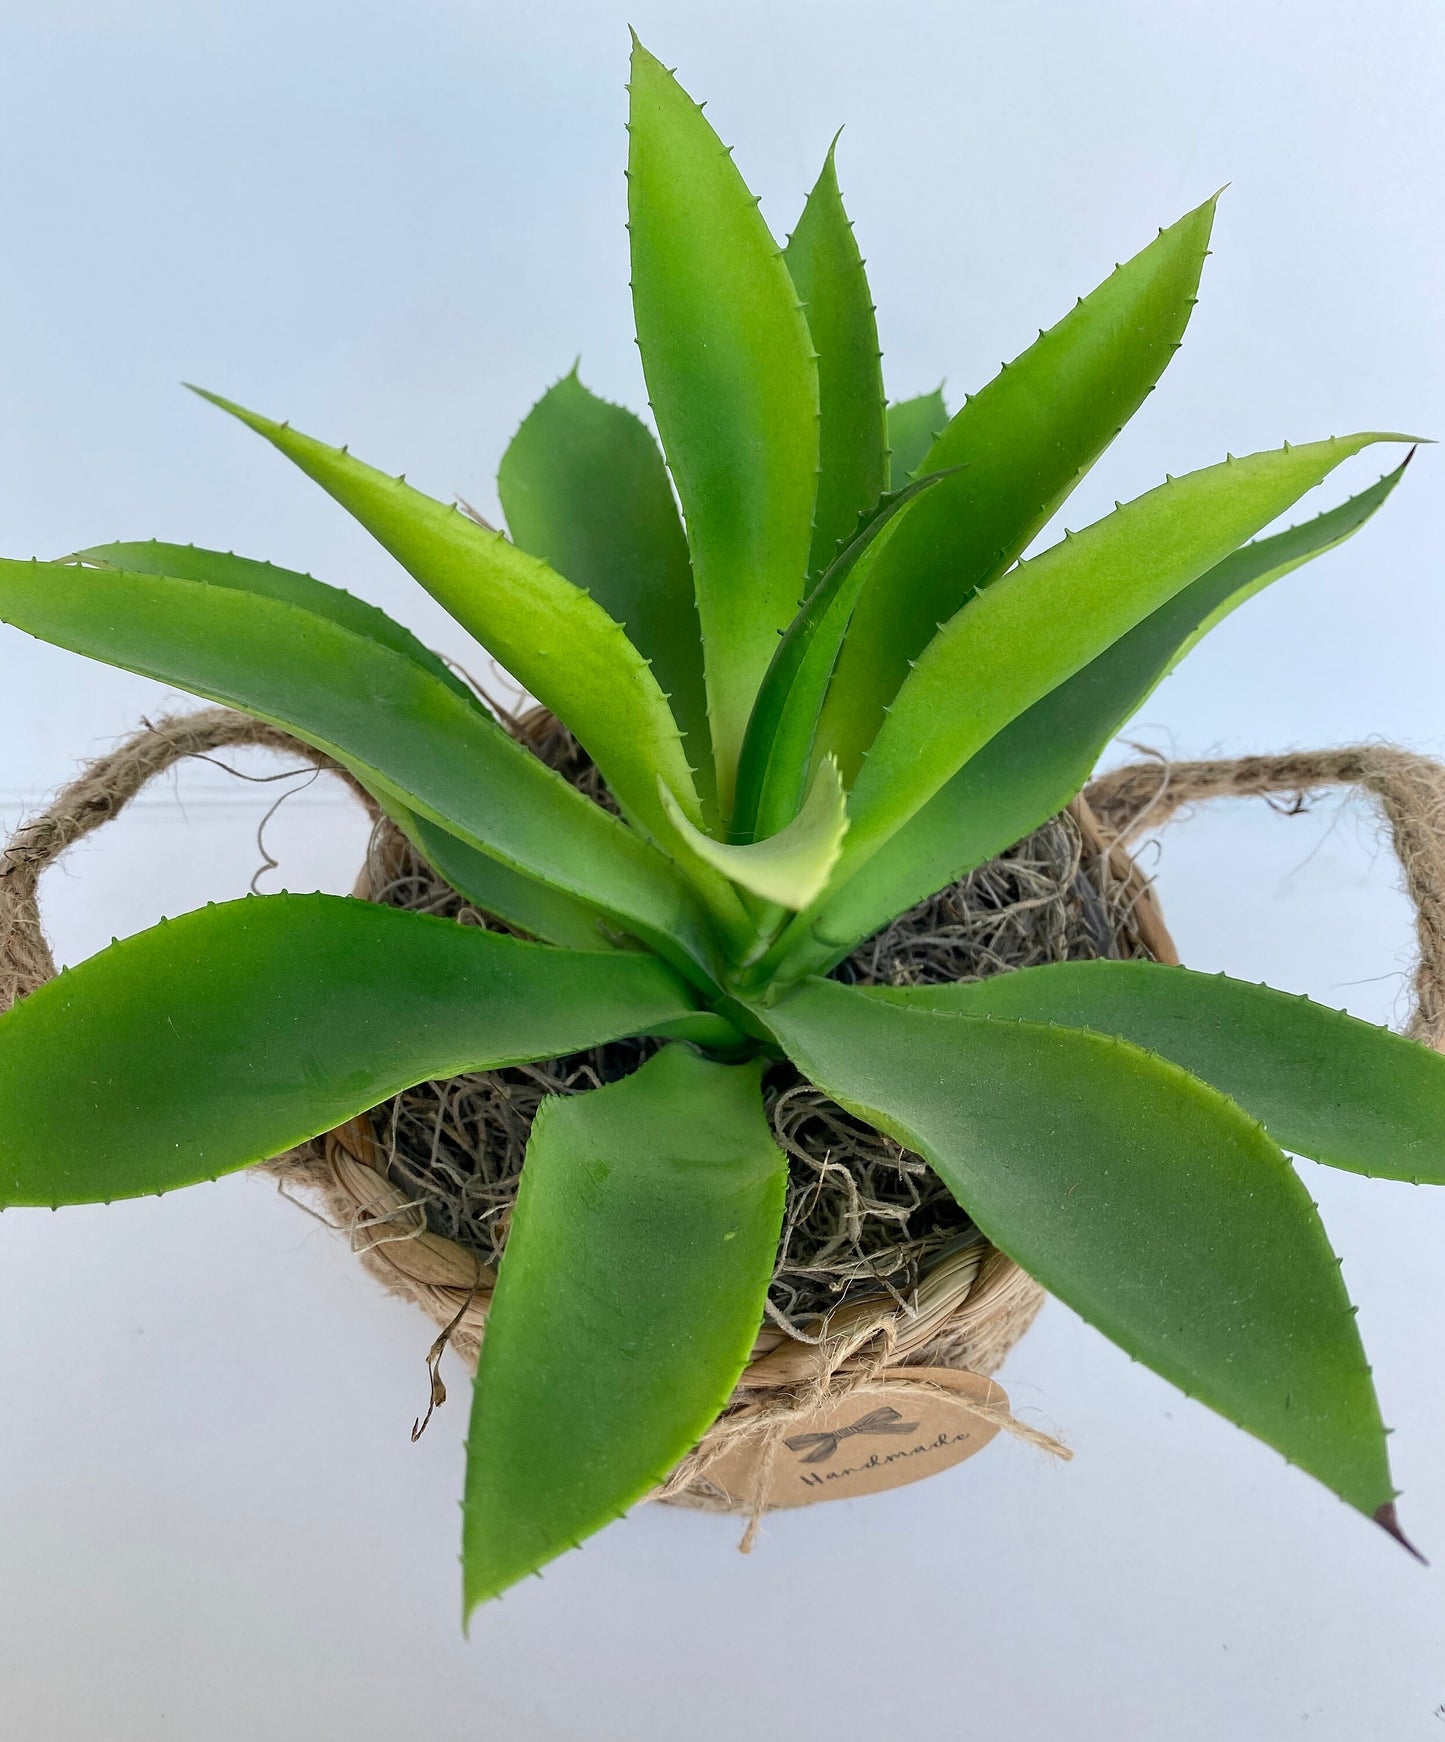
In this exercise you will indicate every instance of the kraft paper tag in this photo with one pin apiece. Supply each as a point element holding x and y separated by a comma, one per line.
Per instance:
<point>882,1437</point>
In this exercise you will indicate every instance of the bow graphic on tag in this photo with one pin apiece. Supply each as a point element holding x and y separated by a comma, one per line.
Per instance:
<point>823,1445</point>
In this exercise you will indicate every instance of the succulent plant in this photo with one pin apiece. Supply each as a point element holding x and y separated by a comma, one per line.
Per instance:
<point>821,680</point>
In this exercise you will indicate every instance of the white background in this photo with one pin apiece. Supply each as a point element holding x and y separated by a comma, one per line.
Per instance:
<point>396,223</point>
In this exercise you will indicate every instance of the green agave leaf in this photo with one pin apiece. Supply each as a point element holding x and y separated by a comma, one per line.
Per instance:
<point>407,736</point>
<point>535,908</point>
<point>705,1028</point>
<point>658,1202</point>
<point>188,562</point>
<point>777,751</point>
<point>792,867</point>
<point>733,385</point>
<point>583,487</point>
<point>556,641</point>
<point>1253,568</point>
<point>1030,770</point>
<point>1049,617</point>
<point>912,425</point>
<point>1323,1084</point>
<point>1026,439</point>
<point>225,1036</point>
<point>1141,1197</point>
<point>827,269</point>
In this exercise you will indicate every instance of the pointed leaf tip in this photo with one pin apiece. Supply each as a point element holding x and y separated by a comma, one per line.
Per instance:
<point>266,426</point>
<point>1388,1519</point>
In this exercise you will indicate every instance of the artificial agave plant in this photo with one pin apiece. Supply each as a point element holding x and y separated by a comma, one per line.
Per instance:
<point>821,682</point>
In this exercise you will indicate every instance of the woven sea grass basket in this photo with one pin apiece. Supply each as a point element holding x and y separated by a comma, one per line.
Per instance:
<point>899,1364</point>
<point>964,1309</point>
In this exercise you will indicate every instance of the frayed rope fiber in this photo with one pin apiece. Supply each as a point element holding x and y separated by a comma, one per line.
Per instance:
<point>878,1268</point>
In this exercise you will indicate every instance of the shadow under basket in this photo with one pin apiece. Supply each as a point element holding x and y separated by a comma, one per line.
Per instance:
<point>889,1313</point>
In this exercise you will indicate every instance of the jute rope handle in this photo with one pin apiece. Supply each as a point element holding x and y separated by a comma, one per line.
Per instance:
<point>1410,789</point>
<point>99,793</point>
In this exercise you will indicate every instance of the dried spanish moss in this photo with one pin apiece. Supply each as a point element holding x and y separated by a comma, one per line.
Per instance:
<point>863,1214</point>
